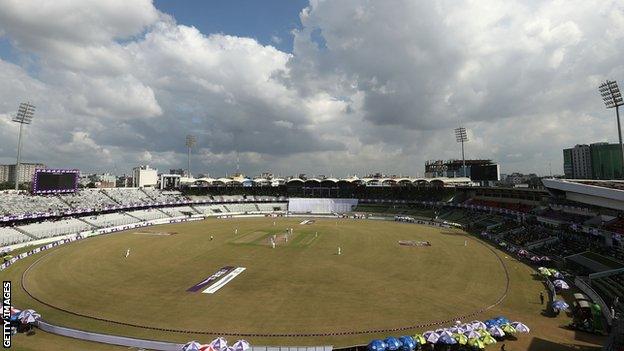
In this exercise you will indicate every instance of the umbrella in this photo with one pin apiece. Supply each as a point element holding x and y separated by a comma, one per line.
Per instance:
<point>561,284</point>
<point>478,325</point>
<point>460,338</point>
<point>501,320</point>
<point>508,329</point>
<point>496,332</point>
<point>392,343</point>
<point>488,340</point>
<point>447,340</point>
<point>523,252</point>
<point>456,330</point>
<point>520,327</point>
<point>476,343</point>
<point>377,345</point>
<point>432,338</point>
<point>472,334</point>
<point>446,332</point>
<point>28,316</point>
<point>407,343</point>
<point>558,275</point>
<point>428,333</point>
<point>206,347</point>
<point>467,327</point>
<point>241,345</point>
<point>218,343</point>
<point>560,305</point>
<point>420,340</point>
<point>191,346</point>
<point>491,323</point>
<point>544,271</point>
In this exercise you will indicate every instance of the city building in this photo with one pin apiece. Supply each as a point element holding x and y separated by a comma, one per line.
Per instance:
<point>25,173</point>
<point>577,163</point>
<point>593,161</point>
<point>144,176</point>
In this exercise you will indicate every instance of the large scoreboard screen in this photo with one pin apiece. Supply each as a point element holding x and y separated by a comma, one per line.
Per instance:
<point>49,181</point>
<point>484,172</point>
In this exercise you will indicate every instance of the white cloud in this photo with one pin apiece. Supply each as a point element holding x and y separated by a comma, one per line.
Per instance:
<point>369,85</point>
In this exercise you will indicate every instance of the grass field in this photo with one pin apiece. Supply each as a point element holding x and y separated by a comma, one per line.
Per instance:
<point>302,286</point>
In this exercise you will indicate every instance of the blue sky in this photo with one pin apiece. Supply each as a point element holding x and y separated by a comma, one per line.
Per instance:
<point>261,20</point>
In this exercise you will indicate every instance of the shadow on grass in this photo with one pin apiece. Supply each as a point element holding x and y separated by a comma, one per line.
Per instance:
<point>538,344</point>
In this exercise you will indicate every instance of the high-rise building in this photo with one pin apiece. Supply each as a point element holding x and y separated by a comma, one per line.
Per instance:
<point>143,176</point>
<point>606,160</point>
<point>577,162</point>
<point>25,173</point>
<point>593,161</point>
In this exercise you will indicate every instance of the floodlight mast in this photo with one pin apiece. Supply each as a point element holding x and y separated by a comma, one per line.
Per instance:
<point>462,137</point>
<point>190,142</point>
<point>612,98</point>
<point>25,114</point>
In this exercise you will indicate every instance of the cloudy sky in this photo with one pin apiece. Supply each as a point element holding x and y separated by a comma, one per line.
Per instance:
<point>319,87</point>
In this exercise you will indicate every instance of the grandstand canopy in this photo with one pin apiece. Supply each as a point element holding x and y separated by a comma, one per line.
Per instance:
<point>603,193</point>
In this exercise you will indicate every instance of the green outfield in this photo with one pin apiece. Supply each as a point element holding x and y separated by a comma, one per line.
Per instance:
<point>301,286</point>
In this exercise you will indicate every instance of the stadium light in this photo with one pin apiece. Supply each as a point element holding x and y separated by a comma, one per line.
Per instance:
<point>25,115</point>
<point>462,137</point>
<point>612,98</point>
<point>190,142</point>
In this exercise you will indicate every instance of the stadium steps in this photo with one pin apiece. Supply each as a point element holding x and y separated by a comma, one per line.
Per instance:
<point>25,233</point>
<point>163,212</point>
<point>148,195</point>
<point>133,216</point>
<point>89,223</point>
<point>65,201</point>
<point>196,210</point>
<point>110,197</point>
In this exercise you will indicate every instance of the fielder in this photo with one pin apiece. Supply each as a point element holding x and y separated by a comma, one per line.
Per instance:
<point>127,253</point>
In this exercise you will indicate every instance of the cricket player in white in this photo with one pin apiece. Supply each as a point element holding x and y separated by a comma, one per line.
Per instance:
<point>127,253</point>
<point>339,251</point>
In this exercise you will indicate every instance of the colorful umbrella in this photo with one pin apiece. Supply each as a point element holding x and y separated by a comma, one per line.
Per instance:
<point>501,320</point>
<point>407,343</point>
<point>377,345</point>
<point>420,340</point>
<point>447,340</point>
<point>192,346</point>
<point>467,327</point>
<point>392,343</point>
<point>560,305</point>
<point>428,333</point>
<point>241,345</point>
<point>488,340</point>
<point>476,343</point>
<point>508,329</point>
<point>496,331</point>
<point>206,347</point>
<point>472,334</point>
<point>456,329</point>
<point>520,327</point>
<point>558,275</point>
<point>460,338</point>
<point>218,343</point>
<point>561,284</point>
<point>544,271</point>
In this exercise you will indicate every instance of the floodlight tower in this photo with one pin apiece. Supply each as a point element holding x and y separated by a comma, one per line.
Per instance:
<point>462,137</point>
<point>190,142</point>
<point>25,114</point>
<point>612,98</point>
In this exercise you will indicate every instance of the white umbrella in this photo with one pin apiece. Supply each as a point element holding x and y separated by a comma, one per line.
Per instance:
<point>219,343</point>
<point>432,338</point>
<point>558,275</point>
<point>561,284</point>
<point>467,327</point>
<point>428,333</point>
<point>457,329</point>
<point>191,346</point>
<point>478,325</point>
<point>28,316</point>
<point>447,333</point>
<point>241,345</point>
<point>520,327</point>
<point>496,332</point>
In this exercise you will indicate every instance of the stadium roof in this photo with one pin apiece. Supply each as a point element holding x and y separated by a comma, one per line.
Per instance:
<point>604,193</point>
